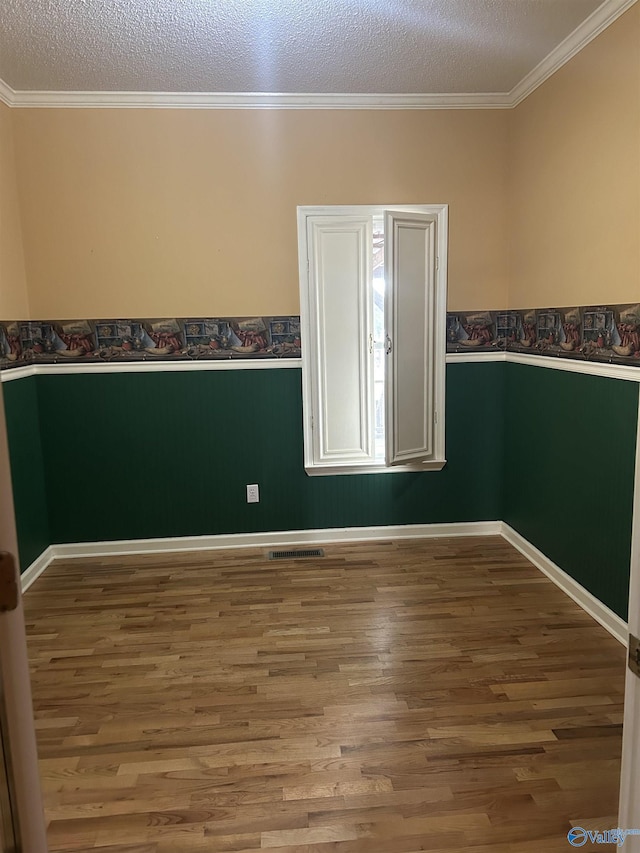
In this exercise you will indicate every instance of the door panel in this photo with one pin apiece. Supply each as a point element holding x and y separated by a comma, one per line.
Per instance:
<point>340,249</point>
<point>410,272</point>
<point>19,778</point>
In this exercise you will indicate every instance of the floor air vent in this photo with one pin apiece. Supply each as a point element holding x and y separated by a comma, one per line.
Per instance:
<point>296,553</point>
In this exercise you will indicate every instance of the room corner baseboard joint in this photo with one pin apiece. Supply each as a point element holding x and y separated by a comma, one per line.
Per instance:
<point>609,620</point>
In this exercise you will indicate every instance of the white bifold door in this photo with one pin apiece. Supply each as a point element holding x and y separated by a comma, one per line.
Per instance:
<point>373,310</point>
<point>410,265</point>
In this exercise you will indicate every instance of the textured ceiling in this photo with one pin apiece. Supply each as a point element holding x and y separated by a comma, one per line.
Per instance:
<point>357,46</point>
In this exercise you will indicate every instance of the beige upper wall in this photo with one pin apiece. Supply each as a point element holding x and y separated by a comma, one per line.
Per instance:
<point>575,178</point>
<point>179,212</point>
<point>13,286</point>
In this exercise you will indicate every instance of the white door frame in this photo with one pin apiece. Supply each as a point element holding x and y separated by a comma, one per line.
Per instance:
<point>9,823</point>
<point>20,736</point>
<point>629,810</point>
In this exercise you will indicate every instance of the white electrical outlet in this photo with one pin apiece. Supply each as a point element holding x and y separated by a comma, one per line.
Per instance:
<point>253,494</point>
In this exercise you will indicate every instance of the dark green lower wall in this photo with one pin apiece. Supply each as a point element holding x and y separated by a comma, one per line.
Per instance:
<point>27,468</point>
<point>130,456</point>
<point>569,471</point>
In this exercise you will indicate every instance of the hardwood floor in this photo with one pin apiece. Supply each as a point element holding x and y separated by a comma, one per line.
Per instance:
<point>436,695</point>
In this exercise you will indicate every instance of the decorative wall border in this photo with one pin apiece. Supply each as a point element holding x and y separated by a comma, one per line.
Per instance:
<point>603,339</point>
<point>103,342</point>
<point>604,333</point>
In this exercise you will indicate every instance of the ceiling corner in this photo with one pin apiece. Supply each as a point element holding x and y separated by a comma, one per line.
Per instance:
<point>588,30</point>
<point>7,95</point>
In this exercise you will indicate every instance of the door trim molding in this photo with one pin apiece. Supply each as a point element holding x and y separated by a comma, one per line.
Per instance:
<point>629,775</point>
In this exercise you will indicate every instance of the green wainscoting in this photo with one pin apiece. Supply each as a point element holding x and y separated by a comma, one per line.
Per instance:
<point>27,468</point>
<point>108,456</point>
<point>140,455</point>
<point>569,470</point>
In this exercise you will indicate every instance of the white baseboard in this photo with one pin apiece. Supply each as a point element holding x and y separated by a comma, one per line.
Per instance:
<point>125,547</point>
<point>616,626</point>
<point>37,568</point>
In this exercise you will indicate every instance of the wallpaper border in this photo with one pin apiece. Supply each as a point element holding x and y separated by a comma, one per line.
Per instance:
<point>603,334</point>
<point>126,341</point>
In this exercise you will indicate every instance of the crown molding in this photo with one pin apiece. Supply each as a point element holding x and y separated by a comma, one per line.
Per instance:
<point>259,100</point>
<point>598,21</point>
<point>586,32</point>
<point>7,95</point>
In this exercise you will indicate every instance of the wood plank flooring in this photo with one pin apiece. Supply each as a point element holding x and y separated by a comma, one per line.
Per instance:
<point>437,695</point>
